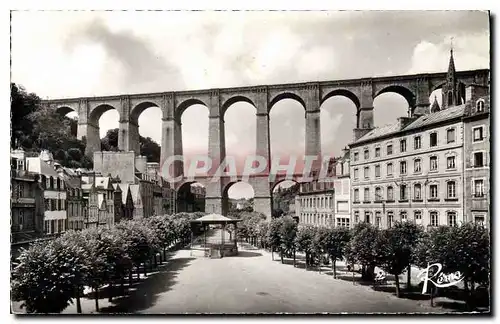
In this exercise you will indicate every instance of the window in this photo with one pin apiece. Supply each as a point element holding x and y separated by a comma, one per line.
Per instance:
<point>402,145</point>
<point>433,191</point>
<point>417,191</point>
<point>47,204</point>
<point>389,169</point>
<point>377,152</point>
<point>417,216</point>
<point>356,216</point>
<point>355,156</point>
<point>378,194</point>
<point>417,142</point>
<point>433,218</point>
<point>46,227</point>
<point>478,159</point>
<point>356,175</point>
<point>343,222</point>
<point>450,135</point>
<point>389,149</point>
<point>367,195</point>
<point>404,216</point>
<point>356,195</point>
<point>477,134</point>
<point>451,190</point>
<point>452,218</point>
<point>450,162</point>
<point>390,219</point>
<point>450,98</point>
<point>377,171</point>
<point>366,172</point>
<point>478,187</point>
<point>378,219</point>
<point>417,166</point>
<point>51,183</point>
<point>480,105</point>
<point>367,217</point>
<point>367,154</point>
<point>403,192</point>
<point>433,163</point>
<point>21,220</point>
<point>390,194</point>
<point>402,167</point>
<point>478,219</point>
<point>433,139</point>
<point>20,190</point>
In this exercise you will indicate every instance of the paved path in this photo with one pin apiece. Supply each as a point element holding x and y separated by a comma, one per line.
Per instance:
<point>248,283</point>
<point>253,283</point>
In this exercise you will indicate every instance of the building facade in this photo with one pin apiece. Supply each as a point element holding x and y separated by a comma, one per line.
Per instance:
<point>26,201</point>
<point>326,202</point>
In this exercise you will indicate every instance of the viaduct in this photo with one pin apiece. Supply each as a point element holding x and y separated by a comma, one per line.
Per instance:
<point>416,89</point>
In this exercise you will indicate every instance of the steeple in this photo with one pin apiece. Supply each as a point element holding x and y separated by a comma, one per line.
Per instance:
<point>435,105</point>
<point>450,88</point>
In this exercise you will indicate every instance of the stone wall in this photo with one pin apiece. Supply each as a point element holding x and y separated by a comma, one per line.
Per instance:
<point>121,164</point>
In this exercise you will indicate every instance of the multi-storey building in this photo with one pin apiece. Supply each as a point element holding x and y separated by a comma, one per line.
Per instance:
<point>99,193</point>
<point>477,156</point>
<point>326,202</point>
<point>26,200</point>
<point>76,204</point>
<point>423,168</point>
<point>54,192</point>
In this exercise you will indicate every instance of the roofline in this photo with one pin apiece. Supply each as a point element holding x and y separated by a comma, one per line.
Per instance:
<point>404,130</point>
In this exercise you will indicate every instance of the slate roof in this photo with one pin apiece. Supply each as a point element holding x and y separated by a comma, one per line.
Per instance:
<point>125,192</point>
<point>134,191</point>
<point>379,132</point>
<point>37,165</point>
<point>442,115</point>
<point>101,202</point>
<point>211,218</point>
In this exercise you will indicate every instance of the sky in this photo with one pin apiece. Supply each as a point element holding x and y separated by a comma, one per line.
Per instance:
<point>82,53</point>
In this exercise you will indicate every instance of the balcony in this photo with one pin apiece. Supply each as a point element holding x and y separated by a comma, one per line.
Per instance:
<point>22,200</point>
<point>404,200</point>
<point>23,175</point>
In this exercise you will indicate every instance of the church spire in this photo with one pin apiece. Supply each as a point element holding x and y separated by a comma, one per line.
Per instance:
<point>435,105</point>
<point>450,89</point>
<point>451,65</point>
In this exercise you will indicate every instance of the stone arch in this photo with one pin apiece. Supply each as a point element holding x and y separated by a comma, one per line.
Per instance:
<point>97,112</point>
<point>234,99</point>
<point>181,107</point>
<point>187,201</point>
<point>225,194</point>
<point>286,95</point>
<point>64,110</point>
<point>344,93</point>
<point>139,109</point>
<point>274,184</point>
<point>401,90</point>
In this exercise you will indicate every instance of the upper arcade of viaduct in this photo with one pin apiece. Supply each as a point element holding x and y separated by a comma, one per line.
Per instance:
<point>416,89</point>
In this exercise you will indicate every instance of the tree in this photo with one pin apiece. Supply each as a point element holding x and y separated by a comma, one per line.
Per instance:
<point>148,146</point>
<point>46,276</point>
<point>319,244</point>
<point>362,249</point>
<point>287,233</point>
<point>394,252</point>
<point>335,245</point>
<point>410,232</point>
<point>304,241</point>
<point>22,104</point>
<point>273,238</point>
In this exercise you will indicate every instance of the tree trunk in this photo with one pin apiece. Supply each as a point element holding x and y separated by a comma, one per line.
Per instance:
<point>281,255</point>
<point>396,277</point>
<point>294,258</point>
<point>145,270</point>
<point>408,278</point>
<point>110,292</point>
<point>78,302</point>
<point>96,290</point>
<point>156,261</point>
<point>320,258</point>
<point>307,259</point>
<point>272,253</point>
<point>334,268</point>
<point>130,277</point>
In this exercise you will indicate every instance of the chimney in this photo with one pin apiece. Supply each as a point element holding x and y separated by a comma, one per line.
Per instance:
<point>403,121</point>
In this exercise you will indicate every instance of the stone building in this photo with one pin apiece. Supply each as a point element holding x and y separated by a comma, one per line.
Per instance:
<point>477,156</point>
<point>425,168</point>
<point>54,192</point>
<point>326,202</point>
<point>99,193</point>
<point>26,203</point>
<point>76,204</point>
